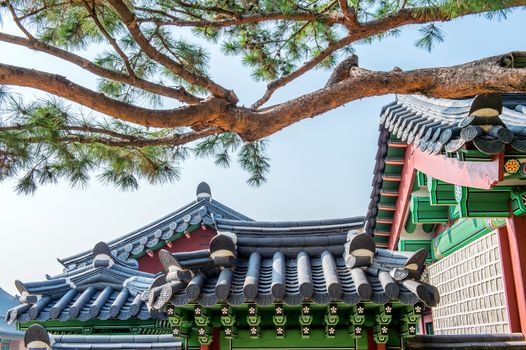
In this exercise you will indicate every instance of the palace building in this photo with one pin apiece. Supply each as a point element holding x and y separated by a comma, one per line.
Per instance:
<point>435,263</point>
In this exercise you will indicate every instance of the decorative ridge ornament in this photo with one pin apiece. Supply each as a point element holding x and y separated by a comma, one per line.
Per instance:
<point>203,191</point>
<point>37,337</point>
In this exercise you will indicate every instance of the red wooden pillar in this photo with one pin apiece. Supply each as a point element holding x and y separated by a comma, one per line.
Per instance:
<point>509,282</point>
<point>516,227</point>
<point>371,344</point>
<point>216,342</point>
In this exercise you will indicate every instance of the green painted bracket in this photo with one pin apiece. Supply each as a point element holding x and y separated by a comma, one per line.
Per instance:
<point>181,331</point>
<point>201,316</point>
<point>408,325</point>
<point>483,203</point>
<point>230,332</point>
<point>440,192</point>
<point>422,211</point>
<point>204,335</point>
<point>518,201</point>
<point>279,320</point>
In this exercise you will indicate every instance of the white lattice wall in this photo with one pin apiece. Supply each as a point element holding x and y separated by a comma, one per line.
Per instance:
<point>470,282</point>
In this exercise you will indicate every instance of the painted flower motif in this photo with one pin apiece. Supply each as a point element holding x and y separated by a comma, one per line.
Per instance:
<point>252,310</point>
<point>306,330</point>
<point>279,310</point>
<point>224,310</point>
<point>418,309</point>
<point>306,309</point>
<point>512,166</point>
<point>228,331</point>
<point>412,329</point>
<point>388,309</point>
<point>384,330</point>
<point>176,331</point>
<point>279,331</point>
<point>360,309</point>
<point>197,311</point>
<point>334,310</point>
<point>358,330</point>
<point>253,331</point>
<point>332,331</point>
<point>201,331</point>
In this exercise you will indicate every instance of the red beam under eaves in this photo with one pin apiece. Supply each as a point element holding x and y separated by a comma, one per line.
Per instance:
<point>483,175</point>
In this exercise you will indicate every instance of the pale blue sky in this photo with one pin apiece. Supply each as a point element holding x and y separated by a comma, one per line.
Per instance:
<point>321,168</point>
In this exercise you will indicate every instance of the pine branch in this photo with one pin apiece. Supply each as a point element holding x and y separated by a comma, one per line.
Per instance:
<point>178,93</point>
<point>110,39</point>
<point>130,21</point>
<point>62,87</point>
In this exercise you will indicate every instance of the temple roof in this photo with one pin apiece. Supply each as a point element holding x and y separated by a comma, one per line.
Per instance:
<point>8,331</point>
<point>107,288</point>
<point>224,274</point>
<point>444,125</point>
<point>37,337</point>
<point>437,126</point>
<point>207,211</point>
<point>121,342</point>
<point>204,210</point>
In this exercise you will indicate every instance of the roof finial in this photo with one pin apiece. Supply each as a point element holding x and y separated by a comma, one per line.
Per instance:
<point>37,337</point>
<point>203,191</point>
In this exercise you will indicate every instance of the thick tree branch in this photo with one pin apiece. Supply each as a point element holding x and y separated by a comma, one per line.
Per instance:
<point>482,76</point>
<point>130,21</point>
<point>248,19</point>
<point>360,31</point>
<point>178,93</point>
<point>494,74</point>
<point>62,87</point>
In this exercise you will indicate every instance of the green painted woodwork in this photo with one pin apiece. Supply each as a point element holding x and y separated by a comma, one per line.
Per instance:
<point>112,326</point>
<point>518,201</point>
<point>410,225</point>
<point>483,203</point>
<point>421,179</point>
<point>333,325</point>
<point>428,228</point>
<point>381,327</point>
<point>472,155</point>
<point>423,212</point>
<point>454,212</point>
<point>440,192</point>
<point>461,233</point>
<point>294,339</point>
<point>408,326</point>
<point>412,245</point>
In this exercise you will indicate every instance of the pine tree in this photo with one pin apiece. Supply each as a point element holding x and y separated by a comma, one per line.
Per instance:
<point>146,63</point>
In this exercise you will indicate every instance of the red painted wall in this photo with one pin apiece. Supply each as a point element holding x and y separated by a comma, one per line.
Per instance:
<point>199,239</point>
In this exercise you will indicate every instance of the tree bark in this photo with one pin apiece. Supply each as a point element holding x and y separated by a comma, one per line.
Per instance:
<point>483,76</point>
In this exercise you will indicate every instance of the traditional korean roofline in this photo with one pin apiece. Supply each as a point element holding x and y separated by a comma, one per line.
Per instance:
<point>290,237</point>
<point>37,337</point>
<point>290,227</point>
<point>10,332</point>
<point>202,211</point>
<point>442,125</point>
<point>107,288</point>
<point>361,273</point>
<point>436,126</point>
